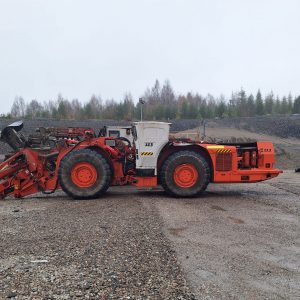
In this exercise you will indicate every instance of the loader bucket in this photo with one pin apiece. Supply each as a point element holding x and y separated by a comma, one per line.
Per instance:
<point>11,136</point>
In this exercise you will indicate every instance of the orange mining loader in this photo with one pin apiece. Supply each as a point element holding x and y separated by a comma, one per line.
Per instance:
<point>85,165</point>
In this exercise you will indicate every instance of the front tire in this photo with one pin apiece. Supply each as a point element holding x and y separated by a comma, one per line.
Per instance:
<point>185,174</point>
<point>84,174</point>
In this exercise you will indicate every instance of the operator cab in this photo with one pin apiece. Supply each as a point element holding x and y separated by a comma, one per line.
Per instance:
<point>119,132</point>
<point>149,138</point>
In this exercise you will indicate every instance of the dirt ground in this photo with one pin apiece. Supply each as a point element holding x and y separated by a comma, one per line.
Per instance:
<point>238,241</point>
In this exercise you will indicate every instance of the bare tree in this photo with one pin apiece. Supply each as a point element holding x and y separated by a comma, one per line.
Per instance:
<point>34,109</point>
<point>18,108</point>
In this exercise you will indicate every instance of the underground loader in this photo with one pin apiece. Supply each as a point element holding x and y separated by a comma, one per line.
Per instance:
<point>85,165</point>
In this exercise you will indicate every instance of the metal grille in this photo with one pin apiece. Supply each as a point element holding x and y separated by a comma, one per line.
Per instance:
<point>224,162</point>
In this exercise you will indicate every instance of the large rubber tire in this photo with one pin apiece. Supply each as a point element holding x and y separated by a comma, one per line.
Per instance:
<point>84,174</point>
<point>185,174</point>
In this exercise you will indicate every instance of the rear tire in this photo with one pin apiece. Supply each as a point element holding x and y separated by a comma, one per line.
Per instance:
<point>84,174</point>
<point>185,174</point>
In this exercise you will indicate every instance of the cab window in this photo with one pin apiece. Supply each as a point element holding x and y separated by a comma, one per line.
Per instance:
<point>114,133</point>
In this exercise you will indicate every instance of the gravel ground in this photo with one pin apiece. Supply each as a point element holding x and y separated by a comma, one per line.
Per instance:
<point>240,241</point>
<point>113,248</point>
<point>236,242</point>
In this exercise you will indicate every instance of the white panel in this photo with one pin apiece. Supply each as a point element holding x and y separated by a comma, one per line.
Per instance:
<point>151,138</point>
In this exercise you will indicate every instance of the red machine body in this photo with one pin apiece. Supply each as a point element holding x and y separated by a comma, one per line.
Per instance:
<point>77,161</point>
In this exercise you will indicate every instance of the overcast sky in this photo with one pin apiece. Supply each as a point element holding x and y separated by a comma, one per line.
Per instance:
<point>84,47</point>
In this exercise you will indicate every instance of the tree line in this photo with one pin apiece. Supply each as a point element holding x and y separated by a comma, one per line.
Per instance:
<point>160,103</point>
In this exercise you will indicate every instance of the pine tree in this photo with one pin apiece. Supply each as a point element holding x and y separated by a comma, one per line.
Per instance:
<point>290,103</point>
<point>259,104</point>
<point>251,106</point>
<point>242,103</point>
<point>284,106</point>
<point>277,106</point>
<point>167,93</point>
<point>269,102</point>
<point>296,107</point>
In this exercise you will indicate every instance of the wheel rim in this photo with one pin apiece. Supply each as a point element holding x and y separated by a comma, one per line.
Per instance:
<point>84,175</point>
<point>185,175</point>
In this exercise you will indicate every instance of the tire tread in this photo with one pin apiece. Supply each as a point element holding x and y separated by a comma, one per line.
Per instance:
<point>66,184</point>
<point>170,188</point>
